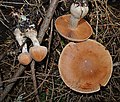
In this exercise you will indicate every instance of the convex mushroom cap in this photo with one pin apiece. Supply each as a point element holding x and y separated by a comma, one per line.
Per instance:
<point>24,58</point>
<point>38,53</point>
<point>72,26</point>
<point>85,66</point>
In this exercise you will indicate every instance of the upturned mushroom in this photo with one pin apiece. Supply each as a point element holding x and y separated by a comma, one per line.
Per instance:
<point>37,52</point>
<point>72,26</point>
<point>85,66</point>
<point>23,58</point>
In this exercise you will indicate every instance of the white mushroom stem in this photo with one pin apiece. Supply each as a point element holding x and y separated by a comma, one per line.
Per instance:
<point>77,12</point>
<point>73,22</point>
<point>35,41</point>
<point>20,38</point>
<point>32,34</point>
<point>24,49</point>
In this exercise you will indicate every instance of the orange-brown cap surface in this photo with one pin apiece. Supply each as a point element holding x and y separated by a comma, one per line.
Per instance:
<point>38,53</point>
<point>24,58</point>
<point>85,66</point>
<point>81,33</point>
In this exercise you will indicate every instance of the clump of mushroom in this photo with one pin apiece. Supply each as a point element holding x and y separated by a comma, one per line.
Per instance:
<point>85,66</point>
<point>23,58</point>
<point>37,52</point>
<point>73,26</point>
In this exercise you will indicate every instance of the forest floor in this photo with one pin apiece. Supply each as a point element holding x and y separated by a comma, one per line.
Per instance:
<point>103,16</point>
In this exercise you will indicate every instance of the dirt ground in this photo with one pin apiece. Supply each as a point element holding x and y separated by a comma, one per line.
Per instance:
<point>103,16</point>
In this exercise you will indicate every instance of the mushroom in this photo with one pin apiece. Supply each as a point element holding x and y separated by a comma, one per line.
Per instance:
<point>72,26</point>
<point>37,52</point>
<point>24,58</point>
<point>85,66</point>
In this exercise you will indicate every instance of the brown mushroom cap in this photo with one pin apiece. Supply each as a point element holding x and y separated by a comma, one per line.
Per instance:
<point>24,58</point>
<point>81,33</point>
<point>38,53</point>
<point>85,66</point>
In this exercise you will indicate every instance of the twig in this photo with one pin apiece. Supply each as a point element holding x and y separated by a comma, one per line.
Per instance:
<point>1,20</point>
<point>51,99</point>
<point>9,87</point>
<point>109,9</point>
<point>18,3</point>
<point>4,16</point>
<point>50,39</point>
<point>1,84</point>
<point>34,80</point>
<point>5,53</point>
<point>47,19</point>
<point>38,86</point>
<point>6,6</point>
<point>14,79</point>
<point>29,3</point>
<point>116,64</point>
<point>97,20</point>
<point>49,46</point>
